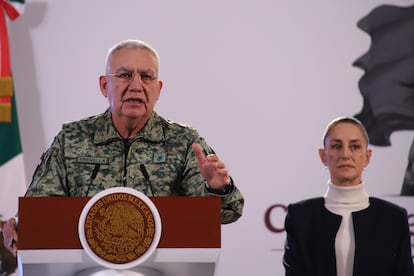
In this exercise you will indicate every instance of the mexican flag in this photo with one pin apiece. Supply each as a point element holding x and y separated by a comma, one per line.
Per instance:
<point>12,174</point>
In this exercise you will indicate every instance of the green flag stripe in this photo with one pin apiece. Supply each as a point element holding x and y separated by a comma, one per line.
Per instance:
<point>18,1</point>
<point>10,145</point>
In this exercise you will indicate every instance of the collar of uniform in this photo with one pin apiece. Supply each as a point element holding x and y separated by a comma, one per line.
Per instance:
<point>105,131</point>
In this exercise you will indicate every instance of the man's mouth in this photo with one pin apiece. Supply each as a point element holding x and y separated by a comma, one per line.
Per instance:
<point>134,100</point>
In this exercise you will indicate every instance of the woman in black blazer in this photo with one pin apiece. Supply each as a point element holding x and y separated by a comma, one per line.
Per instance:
<point>346,232</point>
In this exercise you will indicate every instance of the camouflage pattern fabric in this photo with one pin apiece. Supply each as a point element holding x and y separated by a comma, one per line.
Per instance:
<point>89,155</point>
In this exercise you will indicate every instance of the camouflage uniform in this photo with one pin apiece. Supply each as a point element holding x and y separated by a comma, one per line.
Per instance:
<point>89,155</point>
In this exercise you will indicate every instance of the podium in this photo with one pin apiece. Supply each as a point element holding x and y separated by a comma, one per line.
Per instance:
<point>49,243</point>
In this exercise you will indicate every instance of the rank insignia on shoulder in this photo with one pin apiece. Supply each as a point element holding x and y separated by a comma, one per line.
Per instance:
<point>159,157</point>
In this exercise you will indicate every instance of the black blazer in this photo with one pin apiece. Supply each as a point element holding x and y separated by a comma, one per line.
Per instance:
<point>382,240</point>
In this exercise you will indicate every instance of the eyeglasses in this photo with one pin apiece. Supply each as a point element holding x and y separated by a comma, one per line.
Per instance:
<point>128,77</point>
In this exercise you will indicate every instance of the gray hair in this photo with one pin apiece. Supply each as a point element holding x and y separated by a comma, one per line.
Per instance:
<point>131,44</point>
<point>339,120</point>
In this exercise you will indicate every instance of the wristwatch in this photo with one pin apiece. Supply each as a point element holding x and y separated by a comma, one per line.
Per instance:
<point>227,189</point>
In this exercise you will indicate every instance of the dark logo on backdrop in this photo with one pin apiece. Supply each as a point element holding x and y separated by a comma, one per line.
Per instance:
<point>387,87</point>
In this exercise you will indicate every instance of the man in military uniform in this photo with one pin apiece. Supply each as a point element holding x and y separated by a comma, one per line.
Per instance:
<point>130,145</point>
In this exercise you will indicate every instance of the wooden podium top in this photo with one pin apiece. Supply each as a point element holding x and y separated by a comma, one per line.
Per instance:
<point>52,222</point>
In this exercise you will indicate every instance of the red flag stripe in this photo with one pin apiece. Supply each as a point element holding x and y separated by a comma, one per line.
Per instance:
<point>11,10</point>
<point>4,42</point>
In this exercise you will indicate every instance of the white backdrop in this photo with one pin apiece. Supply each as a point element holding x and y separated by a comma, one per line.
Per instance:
<point>259,79</point>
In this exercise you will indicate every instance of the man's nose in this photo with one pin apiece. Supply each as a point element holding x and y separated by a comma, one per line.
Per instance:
<point>135,83</point>
<point>135,76</point>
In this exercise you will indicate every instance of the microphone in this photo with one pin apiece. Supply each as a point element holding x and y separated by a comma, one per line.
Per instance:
<point>93,176</point>
<point>147,178</point>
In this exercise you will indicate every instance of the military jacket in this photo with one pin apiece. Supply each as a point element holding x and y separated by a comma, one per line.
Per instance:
<point>89,155</point>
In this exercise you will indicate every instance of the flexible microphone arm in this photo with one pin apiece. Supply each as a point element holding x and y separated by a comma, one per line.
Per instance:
<point>147,178</point>
<point>93,176</point>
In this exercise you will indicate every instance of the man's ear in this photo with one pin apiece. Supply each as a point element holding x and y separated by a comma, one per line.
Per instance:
<point>103,83</point>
